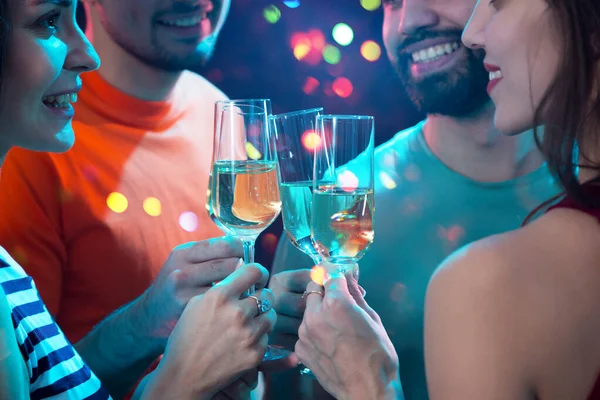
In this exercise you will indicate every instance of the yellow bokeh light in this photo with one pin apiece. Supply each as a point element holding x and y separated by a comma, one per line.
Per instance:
<point>252,151</point>
<point>117,202</point>
<point>301,50</point>
<point>370,5</point>
<point>317,274</point>
<point>387,181</point>
<point>152,206</point>
<point>370,50</point>
<point>311,140</point>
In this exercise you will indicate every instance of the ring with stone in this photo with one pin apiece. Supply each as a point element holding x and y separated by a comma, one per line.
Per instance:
<point>306,294</point>
<point>262,306</point>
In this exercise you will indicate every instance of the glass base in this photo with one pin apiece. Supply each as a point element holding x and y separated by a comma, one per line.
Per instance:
<point>275,353</point>
<point>307,372</point>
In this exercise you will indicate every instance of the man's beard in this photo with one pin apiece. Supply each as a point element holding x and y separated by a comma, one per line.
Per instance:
<point>456,92</point>
<point>156,56</point>
<point>162,59</point>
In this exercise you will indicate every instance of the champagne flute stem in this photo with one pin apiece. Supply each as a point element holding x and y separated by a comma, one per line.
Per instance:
<point>348,269</point>
<point>316,259</point>
<point>249,259</point>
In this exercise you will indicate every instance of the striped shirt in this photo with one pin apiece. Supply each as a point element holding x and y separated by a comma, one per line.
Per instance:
<point>55,369</point>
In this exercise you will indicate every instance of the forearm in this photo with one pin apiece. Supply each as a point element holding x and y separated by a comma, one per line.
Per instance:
<point>163,384</point>
<point>121,348</point>
<point>393,391</point>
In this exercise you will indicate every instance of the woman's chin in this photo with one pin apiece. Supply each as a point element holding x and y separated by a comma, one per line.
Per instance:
<point>64,140</point>
<point>510,126</point>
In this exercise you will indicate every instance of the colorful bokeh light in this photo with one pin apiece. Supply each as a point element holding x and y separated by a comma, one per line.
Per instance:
<point>272,14</point>
<point>387,181</point>
<point>317,39</point>
<point>152,206</point>
<point>331,54</point>
<point>342,87</point>
<point>343,34</point>
<point>301,50</point>
<point>310,85</point>
<point>252,152</point>
<point>317,275</point>
<point>347,181</point>
<point>311,140</point>
<point>370,50</point>
<point>292,3</point>
<point>269,242</point>
<point>117,202</point>
<point>188,221</point>
<point>370,5</point>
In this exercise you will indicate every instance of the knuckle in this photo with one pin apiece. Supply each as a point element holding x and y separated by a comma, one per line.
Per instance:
<point>217,297</point>
<point>239,315</point>
<point>255,356</point>
<point>254,271</point>
<point>229,245</point>
<point>303,333</point>
<point>301,277</point>
<point>275,282</point>
<point>335,304</point>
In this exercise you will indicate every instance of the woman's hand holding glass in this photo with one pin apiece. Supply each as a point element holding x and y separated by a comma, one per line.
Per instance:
<point>219,337</point>
<point>344,343</point>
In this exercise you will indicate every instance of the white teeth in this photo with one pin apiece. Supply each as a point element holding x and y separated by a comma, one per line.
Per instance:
<point>434,52</point>
<point>185,22</point>
<point>495,75</point>
<point>61,101</point>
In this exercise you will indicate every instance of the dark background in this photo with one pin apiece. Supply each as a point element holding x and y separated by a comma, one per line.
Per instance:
<point>254,58</point>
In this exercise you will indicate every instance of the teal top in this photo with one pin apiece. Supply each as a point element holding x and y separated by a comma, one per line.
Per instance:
<point>423,212</point>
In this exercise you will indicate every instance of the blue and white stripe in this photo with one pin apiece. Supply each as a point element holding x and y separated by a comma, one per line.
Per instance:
<point>55,369</point>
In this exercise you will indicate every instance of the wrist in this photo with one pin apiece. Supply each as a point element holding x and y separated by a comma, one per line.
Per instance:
<point>167,382</point>
<point>388,388</point>
<point>391,391</point>
<point>394,391</point>
<point>147,329</point>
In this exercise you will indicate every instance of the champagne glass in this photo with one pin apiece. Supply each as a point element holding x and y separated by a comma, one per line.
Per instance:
<point>296,141</point>
<point>218,113</point>
<point>244,195</point>
<point>341,223</point>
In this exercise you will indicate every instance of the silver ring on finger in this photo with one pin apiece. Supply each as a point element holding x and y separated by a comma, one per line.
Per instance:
<point>262,306</point>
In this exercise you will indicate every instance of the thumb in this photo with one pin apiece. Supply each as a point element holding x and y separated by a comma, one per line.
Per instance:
<point>357,294</point>
<point>336,285</point>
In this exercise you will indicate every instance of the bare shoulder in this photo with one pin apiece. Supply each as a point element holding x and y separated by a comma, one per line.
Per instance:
<point>535,292</point>
<point>197,85</point>
<point>561,244</point>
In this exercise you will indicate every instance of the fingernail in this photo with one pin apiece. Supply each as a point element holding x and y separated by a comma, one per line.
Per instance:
<point>240,264</point>
<point>362,291</point>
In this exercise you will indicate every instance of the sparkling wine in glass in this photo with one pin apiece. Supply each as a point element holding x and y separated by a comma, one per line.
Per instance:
<point>218,114</point>
<point>341,222</point>
<point>245,197</point>
<point>296,140</point>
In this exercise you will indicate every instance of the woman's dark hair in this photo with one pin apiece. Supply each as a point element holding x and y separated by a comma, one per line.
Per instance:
<point>570,110</point>
<point>4,38</point>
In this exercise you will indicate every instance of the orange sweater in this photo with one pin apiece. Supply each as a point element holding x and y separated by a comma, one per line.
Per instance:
<point>90,252</point>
